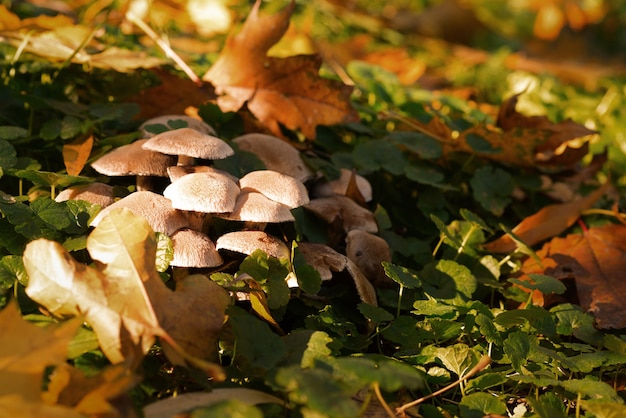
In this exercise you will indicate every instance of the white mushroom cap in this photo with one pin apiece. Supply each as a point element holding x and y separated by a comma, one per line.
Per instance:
<point>133,160</point>
<point>194,249</point>
<point>351,214</point>
<point>203,192</point>
<point>177,171</point>
<point>276,154</point>
<point>156,209</point>
<point>173,121</point>
<point>255,207</point>
<point>97,193</point>
<point>340,186</point>
<point>191,143</point>
<point>277,186</point>
<point>246,242</point>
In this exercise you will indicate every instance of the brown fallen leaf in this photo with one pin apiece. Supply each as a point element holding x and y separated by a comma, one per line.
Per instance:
<point>596,260</point>
<point>287,91</point>
<point>76,154</point>
<point>546,223</point>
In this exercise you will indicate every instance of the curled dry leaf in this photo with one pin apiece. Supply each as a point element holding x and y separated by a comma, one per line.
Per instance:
<point>286,91</point>
<point>596,260</point>
<point>546,223</point>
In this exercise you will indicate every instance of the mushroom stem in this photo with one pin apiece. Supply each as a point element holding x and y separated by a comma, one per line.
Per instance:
<point>185,160</point>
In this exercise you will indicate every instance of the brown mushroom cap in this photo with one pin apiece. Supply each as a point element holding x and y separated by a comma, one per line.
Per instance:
<point>203,192</point>
<point>189,142</point>
<point>344,209</point>
<point>368,251</point>
<point>340,186</point>
<point>169,120</point>
<point>156,209</point>
<point>194,249</point>
<point>277,186</point>
<point>276,154</point>
<point>255,207</point>
<point>97,193</point>
<point>246,242</point>
<point>133,160</point>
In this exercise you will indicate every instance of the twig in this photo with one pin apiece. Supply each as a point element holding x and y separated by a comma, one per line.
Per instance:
<point>169,52</point>
<point>382,401</point>
<point>484,362</point>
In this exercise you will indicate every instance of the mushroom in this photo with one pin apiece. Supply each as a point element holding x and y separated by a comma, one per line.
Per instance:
<point>276,186</point>
<point>97,193</point>
<point>156,209</point>
<point>256,208</point>
<point>170,122</point>
<point>187,144</point>
<point>246,242</point>
<point>341,185</point>
<point>368,251</point>
<point>276,154</point>
<point>203,192</point>
<point>194,249</point>
<point>344,210</point>
<point>177,171</point>
<point>134,160</point>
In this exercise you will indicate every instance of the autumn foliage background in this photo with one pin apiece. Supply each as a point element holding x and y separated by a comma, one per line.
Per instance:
<point>493,142</point>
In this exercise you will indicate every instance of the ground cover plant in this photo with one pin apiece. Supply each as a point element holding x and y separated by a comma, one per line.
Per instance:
<point>450,243</point>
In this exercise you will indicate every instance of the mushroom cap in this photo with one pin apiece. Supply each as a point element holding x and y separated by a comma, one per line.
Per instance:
<point>368,251</point>
<point>350,213</point>
<point>194,249</point>
<point>189,142</point>
<point>156,209</point>
<point>276,154</point>
<point>340,186</point>
<point>97,193</point>
<point>246,242</point>
<point>177,171</point>
<point>174,122</point>
<point>203,192</point>
<point>277,186</point>
<point>255,207</point>
<point>133,160</point>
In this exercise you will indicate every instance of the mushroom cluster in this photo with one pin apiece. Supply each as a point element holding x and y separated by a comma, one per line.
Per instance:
<point>197,194</point>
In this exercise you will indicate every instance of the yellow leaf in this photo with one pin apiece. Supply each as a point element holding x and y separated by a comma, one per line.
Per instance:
<point>76,154</point>
<point>26,350</point>
<point>258,301</point>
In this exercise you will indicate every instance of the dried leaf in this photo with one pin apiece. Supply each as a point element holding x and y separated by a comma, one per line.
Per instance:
<point>286,91</point>
<point>25,352</point>
<point>596,260</point>
<point>547,222</point>
<point>76,154</point>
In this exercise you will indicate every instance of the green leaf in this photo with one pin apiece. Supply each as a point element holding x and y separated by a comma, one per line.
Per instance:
<point>390,374</point>
<point>425,174</point>
<point>545,284</point>
<point>479,405</point>
<point>230,408</point>
<point>480,144</point>
<point>470,216</point>
<point>485,381</point>
<point>458,358</point>
<point>548,405</point>
<point>308,277</point>
<point>448,280</point>
<point>601,409</point>
<point>256,343</point>
<point>54,214</point>
<point>517,317</point>
<point>164,252</point>
<point>8,156</point>
<point>316,348</point>
<point>426,147</point>
<point>12,270</point>
<point>380,155</point>
<point>435,308</point>
<point>492,188</point>
<point>374,313</point>
<point>402,275</point>
<point>70,127</point>
<point>75,243</point>
<point>518,347</point>
<point>403,330</point>
<point>51,129</point>
<point>318,390</point>
<point>10,133</point>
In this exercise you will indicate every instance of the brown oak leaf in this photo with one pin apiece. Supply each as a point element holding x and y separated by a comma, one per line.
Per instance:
<point>287,91</point>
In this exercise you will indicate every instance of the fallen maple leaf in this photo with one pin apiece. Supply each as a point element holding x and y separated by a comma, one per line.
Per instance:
<point>596,260</point>
<point>546,223</point>
<point>286,91</point>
